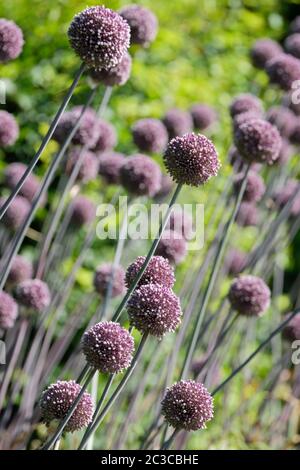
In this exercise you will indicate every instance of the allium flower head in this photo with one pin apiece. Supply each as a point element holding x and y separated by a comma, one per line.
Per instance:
<point>292,45</point>
<point>291,331</point>
<point>150,135</point>
<point>21,269</point>
<point>258,141</point>
<point>249,295</point>
<point>255,186</point>
<point>283,119</point>
<point>33,294</point>
<point>110,164</point>
<point>283,70</point>
<point>58,398</point>
<point>191,159</point>
<point>83,211</point>
<point>158,271</point>
<point>16,212</point>
<point>108,347</point>
<point>140,175</point>
<point>180,221</point>
<point>241,118</point>
<point>177,122</point>
<point>8,311</point>
<point>89,164</point>
<point>100,37</point>
<point>172,246</point>
<point>107,273</point>
<point>247,215</point>
<point>87,132</point>
<point>285,193</point>
<point>107,138</point>
<point>187,405</point>
<point>235,262</point>
<point>115,76</point>
<point>11,40</point>
<point>244,103</point>
<point>12,175</point>
<point>9,129</point>
<point>264,50</point>
<point>143,24</point>
<point>203,116</point>
<point>154,309</point>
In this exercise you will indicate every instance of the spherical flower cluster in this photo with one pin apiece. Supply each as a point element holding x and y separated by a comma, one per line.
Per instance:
<point>191,159</point>
<point>107,138</point>
<point>100,37</point>
<point>16,212</point>
<point>203,116</point>
<point>244,103</point>
<point>166,186</point>
<point>33,294</point>
<point>11,40</point>
<point>82,210</point>
<point>158,271</point>
<point>110,164</point>
<point>181,222</point>
<point>292,44</point>
<point>8,311</point>
<point>143,24</point>
<point>140,175</point>
<point>89,166</point>
<point>187,405</point>
<point>284,194</point>
<point>247,215</point>
<point>258,141</point>
<point>21,269</point>
<point>264,50</point>
<point>108,347</point>
<point>58,398</point>
<point>241,118</point>
<point>172,246</point>
<point>87,132</point>
<point>12,175</point>
<point>154,309</point>
<point>9,129</point>
<point>115,76</point>
<point>150,135</point>
<point>255,186</point>
<point>177,122</point>
<point>235,262</point>
<point>283,119</point>
<point>249,295</point>
<point>291,331</point>
<point>283,70</point>
<point>106,274</point>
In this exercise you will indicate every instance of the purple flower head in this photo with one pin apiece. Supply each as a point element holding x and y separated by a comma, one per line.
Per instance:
<point>12,175</point>
<point>21,269</point>
<point>177,122</point>
<point>8,311</point>
<point>140,175</point>
<point>108,347</point>
<point>180,221</point>
<point>247,215</point>
<point>143,24</point>
<point>33,294</point>
<point>295,25</point>
<point>203,116</point>
<point>87,132</point>
<point>291,331</point>
<point>58,398</point>
<point>255,186</point>
<point>285,193</point>
<point>244,103</point>
<point>172,246</point>
<point>83,211</point>
<point>292,45</point>
<point>11,40</point>
<point>107,138</point>
<point>283,119</point>
<point>115,76</point>
<point>89,164</point>
<point>249,295</point>
<point>191,159</point>
<point>9,129</point>
<point>159,271</point>
<point>283,70</point>
<point>154,309</point>
<point>100,37</point>
<point>264,50</point>
<point>166,186</point>
<point>107,273</point>
<point>110,164</point>
<point>241,118</point>
<point>295,134</point>
<point>187,405</point>
<point>16,212</point>
<point>258,141</point>
<point>235,262</point>
<point>150,135</point>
